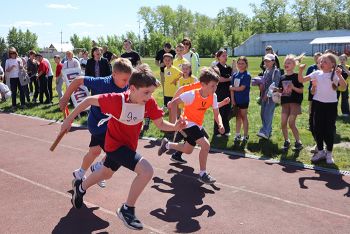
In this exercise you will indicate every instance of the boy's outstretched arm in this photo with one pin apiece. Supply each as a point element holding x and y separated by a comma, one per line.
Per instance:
<point>89,101</point>
<point>218,120</point>
<point>168,127</point>
<point>70,89</point>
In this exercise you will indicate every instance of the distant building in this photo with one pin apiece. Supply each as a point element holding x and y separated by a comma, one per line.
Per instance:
<point>288,43</point>
<point>57,48</point>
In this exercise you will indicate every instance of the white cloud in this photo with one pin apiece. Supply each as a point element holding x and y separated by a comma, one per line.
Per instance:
<point>26,24</point>
<point>61,6</point>
<point>84,24</point>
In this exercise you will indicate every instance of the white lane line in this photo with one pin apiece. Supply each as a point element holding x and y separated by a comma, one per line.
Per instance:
<point>69,196</point>
<point>217,183</point>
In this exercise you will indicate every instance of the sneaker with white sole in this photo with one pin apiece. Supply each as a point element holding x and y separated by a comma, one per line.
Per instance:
<point>206,178</point>
<point>127,215</point>
<point>329,158</point>
<point>95,167</point>
<point>162,149</point>
<point>318,156</point>
<point>262,135</point>
<point>177,157</point>
<point>77,196</point>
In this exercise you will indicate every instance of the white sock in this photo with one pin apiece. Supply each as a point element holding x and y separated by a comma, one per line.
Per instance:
<point>167,146</point>
<point>82,172</point>
<point>238,134</point>
<point>201,173</point>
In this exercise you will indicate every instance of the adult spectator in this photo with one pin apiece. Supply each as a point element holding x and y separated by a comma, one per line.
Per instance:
<point>107,54</point>
<point>43,71</point>
<point>190,56</point>
<point>83,60</point>
<point>197,55</point>
<point>70,61</point>
<point>97,66</point>
<point>159,59</point>
<point>130,54</point>
<point>12,66</point>
<point>269,50</point>
<point>49,78</point>
<point>32,70</point>
<point>4,57</point>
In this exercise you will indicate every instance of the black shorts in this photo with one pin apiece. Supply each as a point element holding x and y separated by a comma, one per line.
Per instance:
<point>166,100</point>
<point>243,106</point>
<point>98,140</point>
<point>123,156</point>
<point>192,134</point>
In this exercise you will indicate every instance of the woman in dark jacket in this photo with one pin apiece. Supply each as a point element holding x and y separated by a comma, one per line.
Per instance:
<point>97,66</point>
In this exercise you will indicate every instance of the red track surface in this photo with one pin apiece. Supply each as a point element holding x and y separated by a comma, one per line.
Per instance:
<point>251,196</point>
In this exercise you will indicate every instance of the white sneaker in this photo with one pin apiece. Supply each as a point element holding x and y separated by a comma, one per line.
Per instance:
<point>96,167</point>
<point>329,157</point>
<point>318,156</point>
<point>262,135</point>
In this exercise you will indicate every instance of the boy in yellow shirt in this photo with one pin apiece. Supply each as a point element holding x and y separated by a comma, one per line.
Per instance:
<point>171,77</point>
<point>179,59</point>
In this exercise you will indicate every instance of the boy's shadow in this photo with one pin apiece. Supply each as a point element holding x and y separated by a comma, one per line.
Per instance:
<point>81,220</point>
<point>333,181</point>
<point>266,147</point>
<point>188,194</point>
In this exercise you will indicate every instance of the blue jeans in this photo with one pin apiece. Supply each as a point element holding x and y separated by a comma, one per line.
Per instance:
<point>266,114</point>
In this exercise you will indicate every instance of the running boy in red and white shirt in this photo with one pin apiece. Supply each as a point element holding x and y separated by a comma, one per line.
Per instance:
<point>196,102</point>
<point>127,111</point>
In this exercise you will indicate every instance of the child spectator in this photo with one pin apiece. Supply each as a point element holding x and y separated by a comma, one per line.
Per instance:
<point>291,99</point>
<point>43,70</point>
<point>240,88</point>
<point>271,76</point>
<point>344,93</point>
<point>196,103</point>
<point>122,138</point>
<point>310,70</point>
<point>179,59</point>
<point>223,91</point>
<point>171,77</point>
<point>5,92</point>
<point>325,82</point>
<point>59,79</point>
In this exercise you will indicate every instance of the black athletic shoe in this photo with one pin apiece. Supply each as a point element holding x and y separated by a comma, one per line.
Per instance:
<point>162,149</point>
<point>206,179</point>
<point>127,215</point>
<point>286,145</point>
<point>176,157</point>
<point>298,145</point>
<point>77,197</point>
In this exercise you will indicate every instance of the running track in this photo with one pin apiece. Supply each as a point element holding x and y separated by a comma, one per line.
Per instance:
<point>251,196</point>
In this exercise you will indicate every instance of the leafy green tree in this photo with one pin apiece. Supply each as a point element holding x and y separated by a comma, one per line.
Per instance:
<point>22,41</point>
<point>3,45</point>
<point>209,41</point>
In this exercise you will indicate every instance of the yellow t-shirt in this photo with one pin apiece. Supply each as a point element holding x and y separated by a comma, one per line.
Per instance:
<point>178,62</point>
<point>170,74</point>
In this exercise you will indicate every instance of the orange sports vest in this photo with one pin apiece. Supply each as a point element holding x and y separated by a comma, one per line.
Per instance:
<point>195,111</point>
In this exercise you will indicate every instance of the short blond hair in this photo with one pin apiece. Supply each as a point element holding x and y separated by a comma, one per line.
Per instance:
<point>122,65</point>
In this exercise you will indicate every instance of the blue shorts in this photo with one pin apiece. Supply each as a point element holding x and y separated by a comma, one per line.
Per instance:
<point>123,156</point>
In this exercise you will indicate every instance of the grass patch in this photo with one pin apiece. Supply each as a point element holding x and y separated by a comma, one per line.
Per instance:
<point>268,148</point>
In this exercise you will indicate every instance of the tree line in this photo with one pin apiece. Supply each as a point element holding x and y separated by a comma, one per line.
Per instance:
<point>229,28</point>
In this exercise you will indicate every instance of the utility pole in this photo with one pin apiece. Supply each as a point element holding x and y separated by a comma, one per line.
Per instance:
<point>61,40</point>
<point>139,21</point>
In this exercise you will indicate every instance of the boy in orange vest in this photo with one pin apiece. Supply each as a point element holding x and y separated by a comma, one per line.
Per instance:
<point>196,102</point>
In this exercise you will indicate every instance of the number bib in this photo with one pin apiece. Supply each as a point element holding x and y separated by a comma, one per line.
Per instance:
<point>132,114</point>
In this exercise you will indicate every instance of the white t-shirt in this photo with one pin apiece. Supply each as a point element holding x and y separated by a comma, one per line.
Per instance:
<point>49,65</point>
<point>192,58</point>
<point>324,91</point>
<point>10,62</point>
<point>188,98</point>
<point>71,63</point>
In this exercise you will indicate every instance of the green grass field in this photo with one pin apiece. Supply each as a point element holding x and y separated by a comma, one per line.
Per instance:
<point>267,148</point>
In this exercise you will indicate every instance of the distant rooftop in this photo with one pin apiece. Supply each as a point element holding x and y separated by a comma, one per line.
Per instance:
<point>331,40</point>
